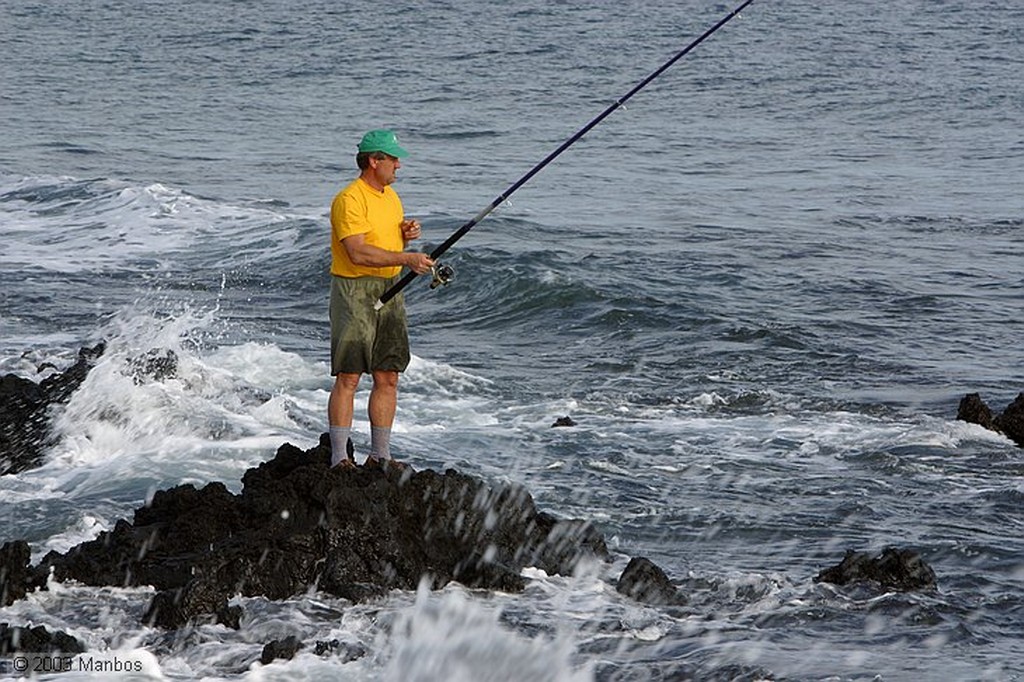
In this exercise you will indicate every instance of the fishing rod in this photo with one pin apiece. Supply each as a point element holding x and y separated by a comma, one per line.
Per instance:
<point>442,274</point>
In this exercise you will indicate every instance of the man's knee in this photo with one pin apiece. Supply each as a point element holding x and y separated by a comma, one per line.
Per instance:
<point>346,383</point>
<point>385,379</point>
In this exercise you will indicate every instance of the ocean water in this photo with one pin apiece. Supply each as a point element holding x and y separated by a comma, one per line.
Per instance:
<point>760,289</point>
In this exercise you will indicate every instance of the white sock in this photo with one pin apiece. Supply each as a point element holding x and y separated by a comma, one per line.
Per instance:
<point>339,443</point>
<point>380,442</point>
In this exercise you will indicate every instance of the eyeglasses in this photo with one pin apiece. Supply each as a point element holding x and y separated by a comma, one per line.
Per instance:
<point>381,156</point>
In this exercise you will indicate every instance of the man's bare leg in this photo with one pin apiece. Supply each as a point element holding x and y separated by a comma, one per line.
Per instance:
<point>382,407</point>
<point>339,414</point>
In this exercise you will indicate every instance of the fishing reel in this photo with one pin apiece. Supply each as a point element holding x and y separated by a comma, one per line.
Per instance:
<point>441,275</point>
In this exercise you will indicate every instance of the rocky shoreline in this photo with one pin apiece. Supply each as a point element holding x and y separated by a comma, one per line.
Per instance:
<point>354,533</point>
<point>297,524</point>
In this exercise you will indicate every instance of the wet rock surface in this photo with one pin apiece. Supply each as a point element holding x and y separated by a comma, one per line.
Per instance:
<point>644,581</point>
<point>298,524</point>
<point>25,411</point>
<point>1010,422</point>
<point>284,649</point>
<point>894,569</point>
<point>15,574</point>
<point>37,640</point>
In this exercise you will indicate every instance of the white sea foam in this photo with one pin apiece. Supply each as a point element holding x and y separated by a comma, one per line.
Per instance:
<point>107,224</point>
<point>85,528</point>
<point>447,636</point>
<point>123,424</point>
<point>226,408</point>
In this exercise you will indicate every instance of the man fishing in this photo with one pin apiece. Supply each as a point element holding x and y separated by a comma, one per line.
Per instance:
<point>369,233</point>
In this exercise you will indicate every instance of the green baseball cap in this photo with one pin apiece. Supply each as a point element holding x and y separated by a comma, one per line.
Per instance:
<point>382,141</point>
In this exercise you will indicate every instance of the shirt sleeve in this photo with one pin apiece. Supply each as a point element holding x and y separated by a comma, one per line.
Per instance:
<point>349,215</point>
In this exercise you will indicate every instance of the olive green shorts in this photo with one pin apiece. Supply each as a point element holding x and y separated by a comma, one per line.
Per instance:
<point>364,339</point>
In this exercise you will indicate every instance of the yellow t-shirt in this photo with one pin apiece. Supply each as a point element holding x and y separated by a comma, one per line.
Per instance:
<point>360,209</point>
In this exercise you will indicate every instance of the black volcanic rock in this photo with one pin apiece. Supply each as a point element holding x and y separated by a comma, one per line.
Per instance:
<point>973,410</point>
<point>157,364</point>
<point>644,581</point>
<point>1010,423</point>
<point>896,569</point>
<point>25,411</point>
<point>288,647</point>
<point>199,601</point>
<point>299,524</point>
<point>37,640</point>
<point>345,651</point>
<point>15,574</point>
<point>280,648</point>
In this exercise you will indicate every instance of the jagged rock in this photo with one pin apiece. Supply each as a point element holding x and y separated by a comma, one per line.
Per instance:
<point>15,574</point>
<point>324,647</point>
<point>1010,423</point>
<point>644,581</point>
<point>280,648</point>
<point>345,651</point>
<point>564,421</point>
<point>299,524</point>
<point>200,601</point>
<point>36,640</point>
<point>973,410</point>
<point>59,387</point>
<point>25,411</point>
<point>289,646</point>
<point>156,364</point>
<point>893,569</point>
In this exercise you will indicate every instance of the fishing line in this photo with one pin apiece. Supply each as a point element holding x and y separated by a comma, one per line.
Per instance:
<point>461,232</point>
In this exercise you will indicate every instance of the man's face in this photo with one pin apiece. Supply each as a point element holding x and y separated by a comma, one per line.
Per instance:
<point>385,167</point>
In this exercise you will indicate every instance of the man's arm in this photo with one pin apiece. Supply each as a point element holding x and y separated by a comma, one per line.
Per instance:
<point>367,255</point>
